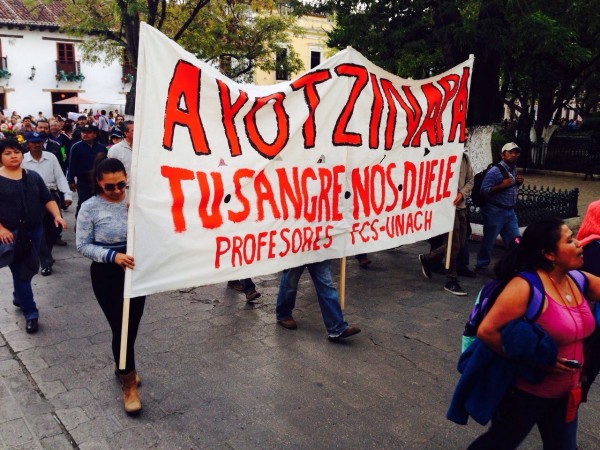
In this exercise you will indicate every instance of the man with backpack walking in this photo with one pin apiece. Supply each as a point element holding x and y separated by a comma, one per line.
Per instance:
<point>499,188</point>
<point>459,234</point>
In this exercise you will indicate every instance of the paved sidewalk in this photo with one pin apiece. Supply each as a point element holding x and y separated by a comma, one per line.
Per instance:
<point>27,418</point>
<point>218,373</point>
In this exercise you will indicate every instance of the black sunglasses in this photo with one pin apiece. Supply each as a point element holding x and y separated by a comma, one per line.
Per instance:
<point>109,187</point>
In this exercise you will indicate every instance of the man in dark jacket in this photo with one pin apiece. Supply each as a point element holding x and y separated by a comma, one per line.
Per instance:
<point>81,164</point>
<point>76,136</point>
<point>43,127</point>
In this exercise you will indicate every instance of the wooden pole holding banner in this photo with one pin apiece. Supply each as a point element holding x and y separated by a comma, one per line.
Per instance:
<point>449,249</point>
<point>124,334</point>
<point>126,298</point>
<point>130,236</point>
<point>343,282</point>
<point>125,320</point>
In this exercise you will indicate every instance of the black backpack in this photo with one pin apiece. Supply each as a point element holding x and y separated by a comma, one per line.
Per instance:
<point>476,197</point>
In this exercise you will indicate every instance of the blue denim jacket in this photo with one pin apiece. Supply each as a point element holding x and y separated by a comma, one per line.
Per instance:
<point>506,197</point>
<point>486,376</point>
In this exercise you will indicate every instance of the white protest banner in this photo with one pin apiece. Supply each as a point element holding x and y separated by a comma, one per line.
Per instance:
<point>232,181</point>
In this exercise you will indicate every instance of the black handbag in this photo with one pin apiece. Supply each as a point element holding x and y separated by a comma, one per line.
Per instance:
<point>7,251</point>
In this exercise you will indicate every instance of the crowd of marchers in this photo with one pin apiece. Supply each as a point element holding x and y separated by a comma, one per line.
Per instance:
<point>45,160</point>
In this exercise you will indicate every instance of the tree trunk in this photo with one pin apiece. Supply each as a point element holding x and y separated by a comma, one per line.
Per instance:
<point>131,23</point>
<point>485,103</point>
<point>130,99</point>
<point>447,19</point>
<point>545,109</point>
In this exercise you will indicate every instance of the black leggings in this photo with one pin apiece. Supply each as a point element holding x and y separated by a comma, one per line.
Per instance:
<point>107,282</point>
<point>518,413</point>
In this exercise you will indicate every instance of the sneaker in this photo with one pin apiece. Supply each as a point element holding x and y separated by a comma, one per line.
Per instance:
<point>46,271</point>
<point>453,287</point>
<point>425,267</point>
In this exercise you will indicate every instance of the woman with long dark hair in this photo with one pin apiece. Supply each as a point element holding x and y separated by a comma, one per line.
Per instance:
<point>23,199</point>
<point>549,249</point>
<point>102,237</point>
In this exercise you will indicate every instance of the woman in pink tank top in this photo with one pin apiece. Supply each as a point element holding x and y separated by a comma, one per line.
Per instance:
<point>548,248</point>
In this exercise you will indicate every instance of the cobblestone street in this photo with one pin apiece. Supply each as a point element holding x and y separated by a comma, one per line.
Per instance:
<point>219,373</point>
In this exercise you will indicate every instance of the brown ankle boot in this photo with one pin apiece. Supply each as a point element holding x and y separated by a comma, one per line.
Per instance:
<point>131,399</point>
<point>138,379</point>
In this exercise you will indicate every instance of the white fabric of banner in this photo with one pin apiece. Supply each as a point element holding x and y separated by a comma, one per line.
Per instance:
<point>231,181</point>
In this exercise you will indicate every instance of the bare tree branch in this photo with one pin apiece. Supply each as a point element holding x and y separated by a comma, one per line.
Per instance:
<point>152,9</point>
<point>197,8</point>
<point>163,14</point>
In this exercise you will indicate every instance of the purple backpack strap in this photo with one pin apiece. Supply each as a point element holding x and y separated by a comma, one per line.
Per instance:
<point>536,295</point>
<point>580,280</point>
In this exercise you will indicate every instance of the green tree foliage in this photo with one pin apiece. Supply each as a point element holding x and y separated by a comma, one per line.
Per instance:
<point>555,56</point>
<point>527,52</point>
<point>237,35</point>
<point>394,34</point>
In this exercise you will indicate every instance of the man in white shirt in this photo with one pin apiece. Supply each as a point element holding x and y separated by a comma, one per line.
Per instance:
<point>122,150</point>
<point>47,166</point>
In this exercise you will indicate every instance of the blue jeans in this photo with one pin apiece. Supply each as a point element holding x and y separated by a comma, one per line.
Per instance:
<point>327,295</point>
<point>496,221</point>
<point>519,413</point>
<point>23,293</point>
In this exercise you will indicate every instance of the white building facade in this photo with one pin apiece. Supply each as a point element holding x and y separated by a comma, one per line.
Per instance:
<point>311,47</point>
<point>39,65</point>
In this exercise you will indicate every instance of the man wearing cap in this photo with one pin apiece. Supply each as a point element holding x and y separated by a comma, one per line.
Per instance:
<point>43,128</point>
<point>500,188</point>
<point>81,163</point>
<point>115,137</point>
<point>122,150</point>
<point>76,136</point>
<point>47,166</point>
